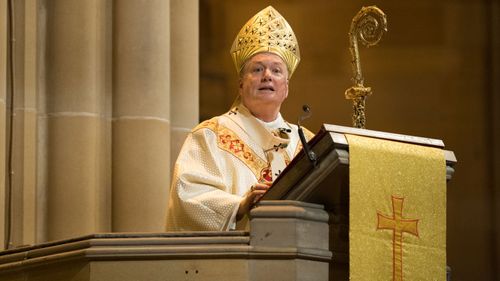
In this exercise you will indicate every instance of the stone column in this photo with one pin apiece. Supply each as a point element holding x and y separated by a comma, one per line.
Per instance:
<point>290,225</point>
<point>24,125</point>
<point>3,94</point>
<point>76,91</point>
<point>141,114</point>
<point>29,114</point>
<point>19,131</point>
<point>184,88</point>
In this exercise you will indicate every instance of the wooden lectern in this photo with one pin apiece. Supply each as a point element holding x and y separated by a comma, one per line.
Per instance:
<point>326,182</point>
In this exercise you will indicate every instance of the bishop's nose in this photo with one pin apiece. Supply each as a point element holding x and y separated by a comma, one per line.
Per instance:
<point>267,75</point>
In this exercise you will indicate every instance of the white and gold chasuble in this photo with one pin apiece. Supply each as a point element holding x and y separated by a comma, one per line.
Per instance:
<point>219,162</point>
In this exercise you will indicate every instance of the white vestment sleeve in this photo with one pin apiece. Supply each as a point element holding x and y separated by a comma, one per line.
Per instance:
<point>200,194</point>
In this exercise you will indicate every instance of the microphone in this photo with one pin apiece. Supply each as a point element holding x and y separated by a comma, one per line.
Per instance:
<point>310,154</point>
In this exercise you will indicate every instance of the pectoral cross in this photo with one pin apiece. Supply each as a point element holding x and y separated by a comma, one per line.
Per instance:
<point>398,225</point>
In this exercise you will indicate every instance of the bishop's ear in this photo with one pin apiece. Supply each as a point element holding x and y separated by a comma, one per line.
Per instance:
<point>286,94</point>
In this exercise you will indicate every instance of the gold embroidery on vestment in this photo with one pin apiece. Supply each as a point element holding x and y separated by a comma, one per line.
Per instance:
<point>210,124</point>
<point>227,140</point>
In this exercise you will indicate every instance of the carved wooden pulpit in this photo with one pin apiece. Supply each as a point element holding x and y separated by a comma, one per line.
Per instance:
<point>328,182</point>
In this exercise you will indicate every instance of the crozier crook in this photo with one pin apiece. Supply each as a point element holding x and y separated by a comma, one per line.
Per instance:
<point>368,26</point>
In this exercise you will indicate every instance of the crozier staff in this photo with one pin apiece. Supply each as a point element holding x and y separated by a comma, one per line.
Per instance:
<point>229,161</point>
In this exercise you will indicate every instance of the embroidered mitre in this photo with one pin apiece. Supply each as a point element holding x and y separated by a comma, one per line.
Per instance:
<point>267,31</point>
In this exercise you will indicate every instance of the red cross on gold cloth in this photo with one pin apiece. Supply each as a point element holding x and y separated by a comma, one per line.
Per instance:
<point>398,225</point>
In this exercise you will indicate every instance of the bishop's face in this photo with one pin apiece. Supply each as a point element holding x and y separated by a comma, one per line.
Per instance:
<point>264,85</point>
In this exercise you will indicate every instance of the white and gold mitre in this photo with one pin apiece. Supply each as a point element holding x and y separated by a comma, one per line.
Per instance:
<point>267,31</point>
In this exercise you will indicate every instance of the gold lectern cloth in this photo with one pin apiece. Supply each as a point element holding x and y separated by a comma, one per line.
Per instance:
<point>386,176</point>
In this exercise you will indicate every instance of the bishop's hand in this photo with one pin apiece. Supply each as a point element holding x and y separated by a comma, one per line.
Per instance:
<point>253,195</point>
